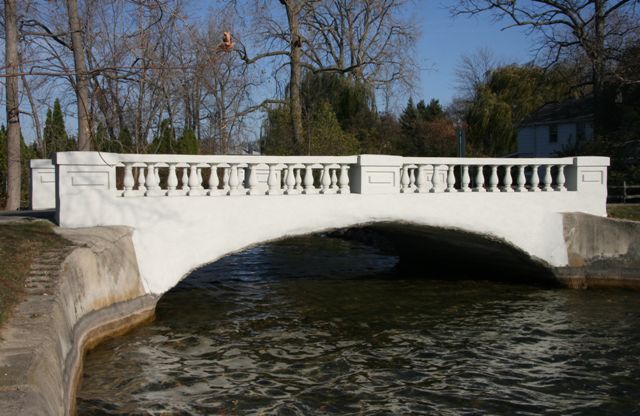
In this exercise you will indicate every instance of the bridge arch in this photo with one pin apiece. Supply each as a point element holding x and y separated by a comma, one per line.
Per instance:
<point>435,252</point>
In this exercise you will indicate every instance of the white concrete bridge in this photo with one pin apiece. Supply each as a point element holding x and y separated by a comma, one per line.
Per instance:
<point>187,211</point>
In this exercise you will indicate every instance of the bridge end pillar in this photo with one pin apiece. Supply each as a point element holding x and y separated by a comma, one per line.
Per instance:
<point>85,182</point>
<point>376,174</point>
<point>42,192</point>
<point>588,177</point>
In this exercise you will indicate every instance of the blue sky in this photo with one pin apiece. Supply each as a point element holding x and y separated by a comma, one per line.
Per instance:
<point>446,39</point>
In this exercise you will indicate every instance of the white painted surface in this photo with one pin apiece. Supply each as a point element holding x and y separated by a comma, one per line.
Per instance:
<point>42,193</point>
<point>176,234</point>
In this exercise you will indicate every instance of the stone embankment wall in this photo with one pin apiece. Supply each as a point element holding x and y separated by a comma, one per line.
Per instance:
<point>602,252</point>
<point>77,296</point>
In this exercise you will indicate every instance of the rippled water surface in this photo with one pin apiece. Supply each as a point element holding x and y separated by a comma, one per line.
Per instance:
<point>324,326</point>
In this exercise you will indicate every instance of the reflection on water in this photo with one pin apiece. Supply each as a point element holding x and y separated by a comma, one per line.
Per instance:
<point>324,326</point>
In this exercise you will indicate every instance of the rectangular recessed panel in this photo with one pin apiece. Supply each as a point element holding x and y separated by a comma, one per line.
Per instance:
<point>47,177</point>
<point>593,176</point>
<point>382,178</point>
<point>90,179</point>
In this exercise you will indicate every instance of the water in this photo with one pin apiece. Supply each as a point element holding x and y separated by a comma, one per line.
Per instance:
<point>316,326</point>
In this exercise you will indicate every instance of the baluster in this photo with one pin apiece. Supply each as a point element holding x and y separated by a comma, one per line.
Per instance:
<point>234,180</point>
<point>226,173</point>
<point>421,180</point>
<point>479,180</point>
<point>405,179</point>
<point>412,179</point>
<point>560,179</point>
<point>272,180</point>
<point>507,181</point>
<point>184,180</point>
<point>298,180</point>
<point>334,180</point>
<point>153,186</point>
<point>241,182</point>
<point>213,180</point>
<point>129,181</point>
<point>493,179</point>
<point>547,179</point>
<point>451,179</point>
<point>466,179</point>
<point>156,170</point>
<point>344,180</point>
<point>522,180</point>
<point>200,186</point>
<point>194,184</point>
<point>141,179</point>
<point>290,180</point>
<point>252,181</point>
<point>325,181</point>
<point>309,189</point>
<point>172,180</point>
<point>435,180</point>
<point>535,179</point>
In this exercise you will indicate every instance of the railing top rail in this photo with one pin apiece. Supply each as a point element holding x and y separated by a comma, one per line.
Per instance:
<point>100,158</point>
<point>117,159</point>
<point>488,161</point>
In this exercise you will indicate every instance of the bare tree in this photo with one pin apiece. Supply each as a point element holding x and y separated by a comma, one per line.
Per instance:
<point>474,70</point>
<point>12,65</point>
<point>598,29</point>
<point>370,40</point>
<point>366,39</point>
<point>82,79</point>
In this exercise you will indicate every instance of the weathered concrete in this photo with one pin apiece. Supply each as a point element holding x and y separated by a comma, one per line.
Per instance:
<point>77,296</point>
<point>601,252</point>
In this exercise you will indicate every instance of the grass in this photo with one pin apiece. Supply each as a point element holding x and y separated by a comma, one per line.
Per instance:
<point>624,211</point>
<point>20,244</point>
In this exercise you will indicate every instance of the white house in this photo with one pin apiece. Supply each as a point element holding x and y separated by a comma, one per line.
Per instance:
<point>556,128</point>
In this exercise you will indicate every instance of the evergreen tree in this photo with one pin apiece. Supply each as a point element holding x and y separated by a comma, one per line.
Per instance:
<point>326,137</point>
<point>125,141</point>
<point>188,143</point>
<point>165,141</point>
<point>55,134</point>
<point>426,131</point>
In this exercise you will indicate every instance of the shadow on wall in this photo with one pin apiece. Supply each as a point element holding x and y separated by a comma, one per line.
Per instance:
<point>448,254</point>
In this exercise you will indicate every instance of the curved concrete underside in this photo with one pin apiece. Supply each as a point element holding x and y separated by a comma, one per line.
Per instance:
<point>176,236</point>
<point>441,253</point>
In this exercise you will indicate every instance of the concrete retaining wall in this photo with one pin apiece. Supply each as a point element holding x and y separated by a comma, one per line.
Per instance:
<point>601,252</point>
<point>95,293</point>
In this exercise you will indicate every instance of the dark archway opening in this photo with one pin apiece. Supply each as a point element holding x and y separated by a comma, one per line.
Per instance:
<point>447,254</point>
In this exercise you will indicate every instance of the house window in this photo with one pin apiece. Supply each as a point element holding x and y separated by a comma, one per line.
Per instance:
<point>553,133</point>
<point>580,132</point>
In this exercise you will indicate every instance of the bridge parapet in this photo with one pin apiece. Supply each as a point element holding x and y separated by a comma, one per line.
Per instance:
<point>135,175</point>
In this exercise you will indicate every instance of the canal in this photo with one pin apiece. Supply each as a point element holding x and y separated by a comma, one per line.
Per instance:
<point>320,325</point>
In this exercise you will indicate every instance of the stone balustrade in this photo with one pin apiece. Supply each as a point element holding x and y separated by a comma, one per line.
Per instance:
<point>170,175</point>
<point>134,175</point>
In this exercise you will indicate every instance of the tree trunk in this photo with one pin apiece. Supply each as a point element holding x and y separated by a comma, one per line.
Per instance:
<point>598,68</point>
<point>82,79</point>
<point>14,170</point>
<point>34,115</point>
<point>296,73</point>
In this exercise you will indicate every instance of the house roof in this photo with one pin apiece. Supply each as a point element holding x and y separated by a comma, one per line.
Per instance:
<point>570,110</point>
